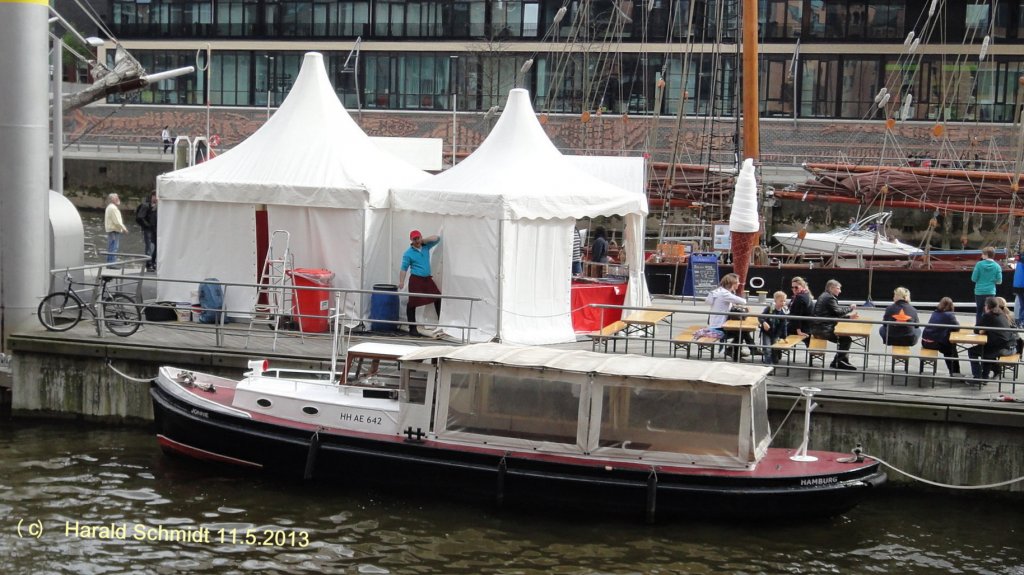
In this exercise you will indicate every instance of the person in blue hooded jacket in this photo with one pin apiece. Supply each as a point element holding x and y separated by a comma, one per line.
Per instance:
<point>987,274</point>
<point>1018,288</point>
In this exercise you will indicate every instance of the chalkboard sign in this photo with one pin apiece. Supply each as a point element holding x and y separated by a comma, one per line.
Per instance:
<point>701,275</point>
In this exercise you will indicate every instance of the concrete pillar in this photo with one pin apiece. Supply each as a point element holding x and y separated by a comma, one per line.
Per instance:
<point>24,161</point>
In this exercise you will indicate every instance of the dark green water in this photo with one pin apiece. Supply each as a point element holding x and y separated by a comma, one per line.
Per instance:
<point>58,474</point>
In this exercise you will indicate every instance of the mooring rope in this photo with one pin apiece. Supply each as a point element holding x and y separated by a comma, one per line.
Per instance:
<point>128,377</point>
<point>784,419</point>
<point>937,484</point>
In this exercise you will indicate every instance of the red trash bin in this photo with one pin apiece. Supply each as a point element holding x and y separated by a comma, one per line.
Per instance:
<point>312,305</point>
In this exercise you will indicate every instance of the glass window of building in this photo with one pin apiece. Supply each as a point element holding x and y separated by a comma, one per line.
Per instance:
<point>861,81</point>
<point>781,19</point>
<point>237,18</point>
<point>776,86</point>
<point>469,18</point>
<point>976,19</point>
<point>819,87</point>
<point>886,19</point>
<point>409,19</point>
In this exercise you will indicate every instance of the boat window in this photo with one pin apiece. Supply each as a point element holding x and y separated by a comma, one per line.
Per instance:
<point>372,371</point>
<point>506,405</point>
<point>671,420</point>
<point>414,386</point>
<point>310,410</point>
<point>759,407</point>
<point>263,402</point>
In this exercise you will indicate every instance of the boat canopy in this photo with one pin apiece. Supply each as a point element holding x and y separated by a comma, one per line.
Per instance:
<point>581,361</point>
<point>611,408</point>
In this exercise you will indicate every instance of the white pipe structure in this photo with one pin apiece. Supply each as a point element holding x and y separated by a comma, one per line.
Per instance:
<point>57,121</point>
<point>24,159</point>
<point>801,452</point>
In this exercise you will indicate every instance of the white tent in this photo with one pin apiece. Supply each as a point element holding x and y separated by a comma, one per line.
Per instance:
<point>506,215</point>
<point>320,178</point>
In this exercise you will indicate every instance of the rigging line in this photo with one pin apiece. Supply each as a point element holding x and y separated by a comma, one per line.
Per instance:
<point>937,484</point>
<point>566,56</point>
<point>786,418</point>
<point>110,364</point>
<point>70,49</point>
<point>685,60</point>
<point>94,16</point>
<point>90,129</point>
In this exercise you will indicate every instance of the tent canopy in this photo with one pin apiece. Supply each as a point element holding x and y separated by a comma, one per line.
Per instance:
<point>321,178</point>
<point>506,215</point>
<point>309,153</point>
<point>517,173</point>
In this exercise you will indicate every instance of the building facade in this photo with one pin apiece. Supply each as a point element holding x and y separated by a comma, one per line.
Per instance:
<point>818,59</point>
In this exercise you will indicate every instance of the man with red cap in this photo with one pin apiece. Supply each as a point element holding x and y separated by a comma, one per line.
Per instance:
<point>416,261</point>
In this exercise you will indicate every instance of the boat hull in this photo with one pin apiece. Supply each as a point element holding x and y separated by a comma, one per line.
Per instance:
<point>515,480</point>
<point>822,244</point>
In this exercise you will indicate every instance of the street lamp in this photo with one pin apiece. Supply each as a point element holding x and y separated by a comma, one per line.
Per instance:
<point>270,64</point>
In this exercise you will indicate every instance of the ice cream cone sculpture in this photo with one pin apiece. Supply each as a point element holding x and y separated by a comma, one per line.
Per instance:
<point>743,221</point>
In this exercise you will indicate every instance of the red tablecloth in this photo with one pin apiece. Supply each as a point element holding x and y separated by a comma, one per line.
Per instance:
<point>585,318</point>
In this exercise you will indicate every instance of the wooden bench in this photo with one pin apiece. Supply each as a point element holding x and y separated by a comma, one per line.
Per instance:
<point>608,333</point>
<point>1005,364</point>
<point>788,348</point>
<point>929,358</point>
<point>816,349</point>
<point>687,338</point>
<point>899,356</point>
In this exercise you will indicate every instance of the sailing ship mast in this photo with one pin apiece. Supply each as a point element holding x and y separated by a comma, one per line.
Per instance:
<point>751,118</point>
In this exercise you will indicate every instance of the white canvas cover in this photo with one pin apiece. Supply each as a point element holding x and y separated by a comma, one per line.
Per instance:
<point>672,409</point>
<point>321,179</point>
<point>508,211</point>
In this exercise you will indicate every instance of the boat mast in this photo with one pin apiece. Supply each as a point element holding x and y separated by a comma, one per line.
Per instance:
<point>751,136</point>
<point>1018,167</point>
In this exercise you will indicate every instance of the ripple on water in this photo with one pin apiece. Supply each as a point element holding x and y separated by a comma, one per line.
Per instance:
<point>144,494</point>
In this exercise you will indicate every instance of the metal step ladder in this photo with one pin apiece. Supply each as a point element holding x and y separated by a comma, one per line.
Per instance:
<point>274,297</point>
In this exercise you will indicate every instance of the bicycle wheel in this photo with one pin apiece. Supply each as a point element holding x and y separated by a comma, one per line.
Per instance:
<point>121,314</point>
<point>59,311</point>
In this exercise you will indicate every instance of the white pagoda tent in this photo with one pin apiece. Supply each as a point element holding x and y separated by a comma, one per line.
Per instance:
<point>317,175</point>
<point>506,215</point>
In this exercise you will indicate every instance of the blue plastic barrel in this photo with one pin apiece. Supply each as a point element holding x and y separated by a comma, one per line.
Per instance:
<point>384,306</point>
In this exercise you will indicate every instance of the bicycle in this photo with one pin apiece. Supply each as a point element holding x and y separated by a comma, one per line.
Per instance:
<point>62,310</point>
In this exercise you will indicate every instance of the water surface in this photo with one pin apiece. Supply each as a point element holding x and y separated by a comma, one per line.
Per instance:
<point>54,475</point>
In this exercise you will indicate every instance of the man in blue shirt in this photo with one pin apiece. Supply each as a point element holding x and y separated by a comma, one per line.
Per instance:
<point>416,261</point>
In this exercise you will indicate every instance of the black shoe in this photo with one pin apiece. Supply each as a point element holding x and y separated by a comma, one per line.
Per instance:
<point>414,333</point>
<point>845,365</point>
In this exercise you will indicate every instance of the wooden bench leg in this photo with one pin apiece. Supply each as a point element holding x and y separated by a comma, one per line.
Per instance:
<point>933,363</point>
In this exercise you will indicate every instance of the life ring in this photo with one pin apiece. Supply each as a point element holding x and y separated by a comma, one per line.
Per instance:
<point>759,280</point>
<point>214,140</point>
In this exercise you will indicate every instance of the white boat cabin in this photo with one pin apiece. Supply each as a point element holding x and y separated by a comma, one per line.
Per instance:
<point>543,400</point>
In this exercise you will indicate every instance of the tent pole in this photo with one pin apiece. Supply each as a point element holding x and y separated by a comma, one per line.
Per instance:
<point>362,269</point>
<point>501,276</point>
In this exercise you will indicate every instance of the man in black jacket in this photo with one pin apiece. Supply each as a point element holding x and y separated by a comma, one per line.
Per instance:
<point>828,306</point>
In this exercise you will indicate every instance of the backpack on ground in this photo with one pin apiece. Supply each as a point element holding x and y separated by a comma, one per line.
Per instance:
<point>211,299</point>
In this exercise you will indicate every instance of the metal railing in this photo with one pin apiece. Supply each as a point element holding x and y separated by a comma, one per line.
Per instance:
<point>236,322</point>
<point>868,359</point>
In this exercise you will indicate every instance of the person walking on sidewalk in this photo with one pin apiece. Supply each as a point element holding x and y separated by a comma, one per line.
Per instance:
<point>416,261</point>
<point>165,137</point>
